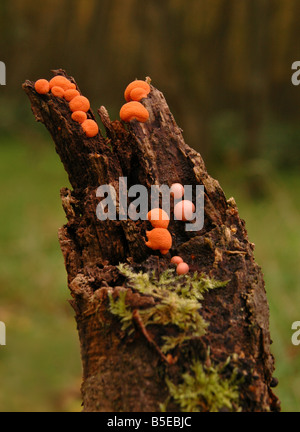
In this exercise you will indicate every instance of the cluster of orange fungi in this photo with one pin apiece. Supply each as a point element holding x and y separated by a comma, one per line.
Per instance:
<point>133,109</point>
<point>79,105</point>
<point>159,238</point>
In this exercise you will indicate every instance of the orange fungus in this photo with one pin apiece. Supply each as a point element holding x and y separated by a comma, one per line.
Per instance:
<point>42,86</point>
<point>61,81</point>
<point>70,94</point>
<point>134,110</point>
<point>182,268</point>
<point>79,103</point>
<point>184,210</point>
<point>79,116</point>
<point>136,90</point>
<point>159,239</point>
<point>138,93</point>
<point>90,128</point>
<point>177,190</point>
<point>57,91</point>
<point>176,260</point>
<point>158,218</point>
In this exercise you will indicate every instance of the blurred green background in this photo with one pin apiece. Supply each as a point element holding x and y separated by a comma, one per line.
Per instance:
<point>225,69</point>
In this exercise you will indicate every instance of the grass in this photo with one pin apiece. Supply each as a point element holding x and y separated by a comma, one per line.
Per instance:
<point>40,366</point>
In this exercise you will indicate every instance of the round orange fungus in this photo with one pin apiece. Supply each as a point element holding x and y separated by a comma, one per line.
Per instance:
<point>176,260</point>
<point>158,218</point>
<point>138,93</point>
<point>79,116</point>
<point>79,103</point>
<point>61,81</point>
<point>182,268</point>
<point>159,239</point>
<point>177,190</point>
<point>184,210</point>
<point>42,86</point>
<point>90,128</point>
<point>134,110</point>
<point>70,94</point>
<point>136,90</point>
<point>57,91</point>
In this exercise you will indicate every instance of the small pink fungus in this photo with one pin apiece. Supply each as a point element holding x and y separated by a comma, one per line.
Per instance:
<point>182,268</point>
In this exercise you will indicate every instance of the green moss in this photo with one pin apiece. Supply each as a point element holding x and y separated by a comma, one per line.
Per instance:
<point>177,304</point>
<point>204,389</point>
<point>188,286</point>
<point>178,301</point>
<point>121,309</point>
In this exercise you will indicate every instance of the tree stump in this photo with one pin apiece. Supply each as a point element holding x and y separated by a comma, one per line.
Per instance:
<point>125,367</point>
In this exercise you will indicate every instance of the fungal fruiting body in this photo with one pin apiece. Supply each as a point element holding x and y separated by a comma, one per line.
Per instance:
<point>57,91</point>
<point>184,210</point>
<point>90,128</point>
<point>136,90</point>
<point>138,93</point>
<point>70,94</point>
<point>58,86</point>
<point>158,218</point>
<point>42,86</point>
<point>134,110</point>
<point>159,239</point>
<point>182,268</point>
<point>176,260</point>
<point>177,190</point>
<point>79,116</point>
<point>61,81</point>
<point>79,103</point>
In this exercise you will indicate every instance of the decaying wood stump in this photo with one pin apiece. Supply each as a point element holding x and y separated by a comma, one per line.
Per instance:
<point>127,372</point>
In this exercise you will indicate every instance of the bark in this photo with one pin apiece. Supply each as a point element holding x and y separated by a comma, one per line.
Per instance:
<point>127,373</point>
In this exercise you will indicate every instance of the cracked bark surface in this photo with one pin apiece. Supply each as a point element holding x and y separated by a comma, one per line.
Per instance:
<point>122,373</point>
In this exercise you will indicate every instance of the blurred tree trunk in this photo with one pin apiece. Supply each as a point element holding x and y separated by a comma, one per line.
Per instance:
<point>256,82</point>
<point>128,373</point>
